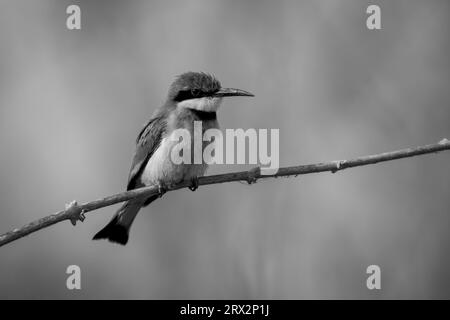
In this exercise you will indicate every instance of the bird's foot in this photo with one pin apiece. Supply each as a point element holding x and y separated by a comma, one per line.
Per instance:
<point>162,189</point>
<point>194,184</point>
<point>253,174</point>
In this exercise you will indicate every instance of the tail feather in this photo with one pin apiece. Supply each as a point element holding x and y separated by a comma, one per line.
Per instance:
<point>118,228</point>
<point>113,232</point>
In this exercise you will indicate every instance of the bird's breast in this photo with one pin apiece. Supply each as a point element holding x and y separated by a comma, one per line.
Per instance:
<point>161,167</point>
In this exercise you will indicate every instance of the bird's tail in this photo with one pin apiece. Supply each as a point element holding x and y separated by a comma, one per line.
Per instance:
<point>118,228</point>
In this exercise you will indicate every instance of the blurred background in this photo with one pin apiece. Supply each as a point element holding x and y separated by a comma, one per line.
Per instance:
<point>73,102</point>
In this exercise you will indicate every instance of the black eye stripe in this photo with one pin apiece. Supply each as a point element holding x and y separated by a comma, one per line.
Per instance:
<point>190,94</point>
<point>183,95</point>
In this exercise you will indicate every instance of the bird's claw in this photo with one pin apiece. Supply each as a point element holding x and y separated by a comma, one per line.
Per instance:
<point>162,189</point>
<point>194,184</point>
<point>252,175</point>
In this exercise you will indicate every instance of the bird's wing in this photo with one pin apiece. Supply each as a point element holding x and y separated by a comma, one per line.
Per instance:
<point>147,142</point>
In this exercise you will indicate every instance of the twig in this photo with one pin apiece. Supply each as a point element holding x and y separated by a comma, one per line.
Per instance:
<point>75,212</point>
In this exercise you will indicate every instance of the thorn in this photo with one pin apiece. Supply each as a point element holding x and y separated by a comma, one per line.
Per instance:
<point>82,217</point>
<point>75,212</point>
<point>339,164</point>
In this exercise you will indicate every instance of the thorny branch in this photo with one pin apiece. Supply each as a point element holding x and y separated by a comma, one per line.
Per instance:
<point>75,212</point>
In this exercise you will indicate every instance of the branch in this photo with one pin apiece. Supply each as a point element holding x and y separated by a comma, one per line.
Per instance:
<point>75,212</point>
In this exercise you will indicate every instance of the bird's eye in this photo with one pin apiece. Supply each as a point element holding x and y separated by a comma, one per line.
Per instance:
<point>195,92</point>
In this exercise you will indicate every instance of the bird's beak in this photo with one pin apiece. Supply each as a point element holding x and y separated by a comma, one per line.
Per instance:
<point>230,92</point>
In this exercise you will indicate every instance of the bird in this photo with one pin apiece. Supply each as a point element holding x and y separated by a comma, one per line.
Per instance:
<point>192,96</point>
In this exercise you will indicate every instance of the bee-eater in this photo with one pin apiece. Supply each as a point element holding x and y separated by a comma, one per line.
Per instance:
<point>193,96</point>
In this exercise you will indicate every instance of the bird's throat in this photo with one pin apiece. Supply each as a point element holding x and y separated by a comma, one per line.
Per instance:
<point>205,104</point>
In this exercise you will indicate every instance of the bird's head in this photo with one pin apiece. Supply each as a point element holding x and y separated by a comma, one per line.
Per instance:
<point>200,91</point>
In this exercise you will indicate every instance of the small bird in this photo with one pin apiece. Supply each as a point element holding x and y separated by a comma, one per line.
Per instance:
<point>193,96</point>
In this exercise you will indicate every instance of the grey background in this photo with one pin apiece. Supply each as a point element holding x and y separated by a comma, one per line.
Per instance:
<point>72,103</point>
